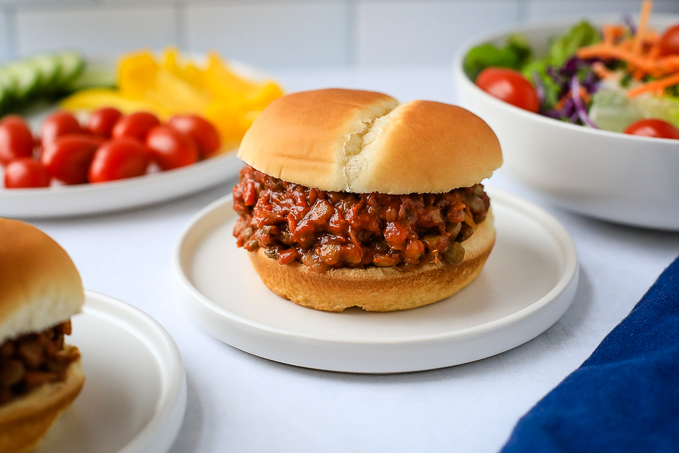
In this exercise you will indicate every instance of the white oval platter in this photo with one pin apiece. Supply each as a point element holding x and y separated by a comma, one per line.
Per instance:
<point>65,201</point>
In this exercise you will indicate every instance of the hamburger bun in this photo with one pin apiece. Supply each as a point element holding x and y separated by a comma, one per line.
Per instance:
<point>25,421</point>
<point>363,142</point>
<point>377,288</point>
<point>40,288</point>
<point>39,284</point>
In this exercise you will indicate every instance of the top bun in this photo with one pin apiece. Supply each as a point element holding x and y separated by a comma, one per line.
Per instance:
<point>39,284</point>
<point>362,142</point>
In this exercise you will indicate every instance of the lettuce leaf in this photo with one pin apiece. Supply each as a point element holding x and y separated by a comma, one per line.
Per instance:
<point>565,46</point>
<point>514,55</point>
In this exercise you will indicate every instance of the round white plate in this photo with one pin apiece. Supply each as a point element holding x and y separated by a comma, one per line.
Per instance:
<point>62,201</point>
<point>528,283</point>
<point>135,390</point>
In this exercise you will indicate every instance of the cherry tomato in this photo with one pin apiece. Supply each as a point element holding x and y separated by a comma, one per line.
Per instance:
<point>58,124</point>
<point>101,121</point>
<point>68,158</point>
<point>200,130</point>
<point>16,139</point>
<point>509,86</point>
<point>171,148</point>
<point>25,172</point>
<point>136,125</point>
<point>669,41</point>
<point>119,158</point>
<point>653,127</point>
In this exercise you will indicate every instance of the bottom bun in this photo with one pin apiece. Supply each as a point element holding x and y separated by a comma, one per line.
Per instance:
<point>26,420</point>
<point>377,288</point>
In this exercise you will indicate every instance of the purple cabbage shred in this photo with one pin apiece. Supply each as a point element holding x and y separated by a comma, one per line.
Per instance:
<point>579,105</point>
<point>539,87</point>
<point>627,19</point>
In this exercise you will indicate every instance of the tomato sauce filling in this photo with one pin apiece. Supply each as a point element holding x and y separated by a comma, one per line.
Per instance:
<point>326,230</point>
<point>34,359</point>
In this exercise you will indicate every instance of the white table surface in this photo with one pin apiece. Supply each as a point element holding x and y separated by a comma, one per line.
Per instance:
<point>241,403</point>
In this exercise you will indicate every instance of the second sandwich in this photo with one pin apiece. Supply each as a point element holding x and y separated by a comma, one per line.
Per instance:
<point>352,199</point>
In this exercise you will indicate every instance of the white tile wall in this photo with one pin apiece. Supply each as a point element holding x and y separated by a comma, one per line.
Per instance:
<point>96,30</point>
<point>271,34</point>
<point>4,37</point>
<point>553,9</point>
<point>424,32</point>
<point>276,33</point>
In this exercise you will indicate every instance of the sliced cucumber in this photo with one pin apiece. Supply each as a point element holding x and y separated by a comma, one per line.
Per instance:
<point>26,79</point>
<point>7,89</point>
<point>48,67</point>
<point>95,75</point>
<point>72,64</point>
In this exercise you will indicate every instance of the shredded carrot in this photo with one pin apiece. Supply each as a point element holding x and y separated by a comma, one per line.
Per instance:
<point>646,7</point>
<point>601,71</point>
<point>654,51</point>
<point>617,53</point>
<point>641,52</point>
<point>637,74</point>
<point>655,85</point>
<point>612,32</point>
<point>584,95</point>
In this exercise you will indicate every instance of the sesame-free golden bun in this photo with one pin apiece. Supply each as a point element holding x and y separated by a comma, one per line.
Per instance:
<point>39,284</point>
<point>363,141</point>
<point>40,287</point>
<point>377,288</point>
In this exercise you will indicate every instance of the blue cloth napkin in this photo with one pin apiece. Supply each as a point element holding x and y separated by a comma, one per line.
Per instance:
<point>625,397</point>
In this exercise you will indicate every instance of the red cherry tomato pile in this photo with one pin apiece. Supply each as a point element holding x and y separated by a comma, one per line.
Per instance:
<point>109,147</point>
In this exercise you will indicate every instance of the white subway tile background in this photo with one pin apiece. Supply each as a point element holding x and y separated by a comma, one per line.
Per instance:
<point>282,33</point>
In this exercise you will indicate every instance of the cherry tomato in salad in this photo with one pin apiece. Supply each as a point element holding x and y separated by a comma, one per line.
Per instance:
<point>26,172</point>
<point>119,158</point>
<point>16,139</point>
<point>58,124</point>
<point>653,127</point>
<point>102,121</point>
<point>137,125</point>
<point>171,148</point>
<point>68,158</point>
<point>200,130</point>
<point>669,41</point>
<point>509,86</point>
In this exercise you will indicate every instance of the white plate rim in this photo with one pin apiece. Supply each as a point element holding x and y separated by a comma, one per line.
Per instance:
<point>171,406</point>
<point>207,173</point>
<point>564,239</point>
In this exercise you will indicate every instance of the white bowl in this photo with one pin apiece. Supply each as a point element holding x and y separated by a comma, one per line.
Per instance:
<point>613,176</point>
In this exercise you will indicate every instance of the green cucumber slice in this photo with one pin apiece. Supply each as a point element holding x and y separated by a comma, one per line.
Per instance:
<point>48,67</point>
<point>95,75</point>
<point>72,65</point>
<point>7,88</point>
<point>26,79</point>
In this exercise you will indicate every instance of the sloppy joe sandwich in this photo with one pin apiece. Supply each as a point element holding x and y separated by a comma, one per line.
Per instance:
<point>40,375</point>
<point>351,199</point>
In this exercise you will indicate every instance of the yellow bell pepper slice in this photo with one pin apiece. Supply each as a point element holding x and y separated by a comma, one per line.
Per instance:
<point>137,73</point>
<point>95,98</point>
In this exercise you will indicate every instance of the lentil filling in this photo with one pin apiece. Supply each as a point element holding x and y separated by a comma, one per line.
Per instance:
<point>34,359</point>
<point>326,230</point>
